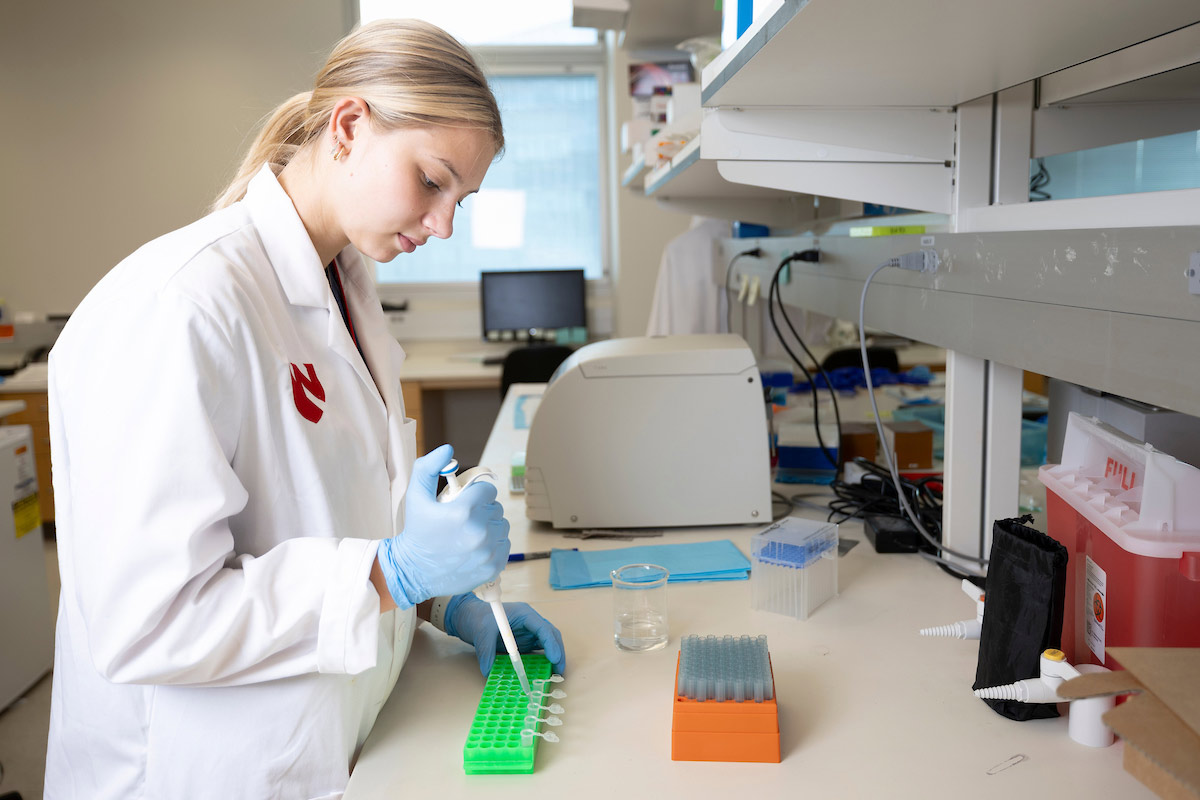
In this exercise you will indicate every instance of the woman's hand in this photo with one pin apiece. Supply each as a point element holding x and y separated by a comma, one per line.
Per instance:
<point>472,620</point>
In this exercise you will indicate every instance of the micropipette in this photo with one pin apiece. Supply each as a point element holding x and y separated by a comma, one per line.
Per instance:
<point>489,592</point>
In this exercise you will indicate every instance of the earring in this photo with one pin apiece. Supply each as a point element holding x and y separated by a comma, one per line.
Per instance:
<point>336,152</point>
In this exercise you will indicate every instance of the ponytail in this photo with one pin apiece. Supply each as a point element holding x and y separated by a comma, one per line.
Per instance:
<point>281,136</point>
<point>409,72</point>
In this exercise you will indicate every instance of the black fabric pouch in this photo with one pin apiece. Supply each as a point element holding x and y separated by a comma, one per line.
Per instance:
<point>1023,612</point>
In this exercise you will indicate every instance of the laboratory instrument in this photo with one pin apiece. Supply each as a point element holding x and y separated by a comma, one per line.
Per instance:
<point>1084,724</point>
<point>725,705</point>
<point>963,629</point>
<point>640,607</point>
<point>649,432</point>
<point>793,567</point>
<point>490,591</point>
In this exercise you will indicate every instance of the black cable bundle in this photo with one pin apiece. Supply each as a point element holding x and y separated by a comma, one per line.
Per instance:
<point>774,297</point>
<point>876,496</point>
<point>1039,181</point>
<point>874,501</point>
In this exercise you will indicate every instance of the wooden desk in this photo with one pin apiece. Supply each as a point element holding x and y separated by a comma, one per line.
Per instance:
<point>425,372</point>
<point>867,707</point>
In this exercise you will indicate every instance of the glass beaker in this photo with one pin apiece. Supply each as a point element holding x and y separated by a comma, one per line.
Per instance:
<point>640,607</point>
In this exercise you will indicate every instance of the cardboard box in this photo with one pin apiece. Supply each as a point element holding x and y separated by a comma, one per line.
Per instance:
<point>1160,722</point>
<point>858,439</point>
<point>911,442</point>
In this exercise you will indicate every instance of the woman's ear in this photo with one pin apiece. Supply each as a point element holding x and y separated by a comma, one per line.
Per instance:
<point>346,121</point>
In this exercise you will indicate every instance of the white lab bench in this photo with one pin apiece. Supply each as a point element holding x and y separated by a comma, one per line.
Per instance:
<point>867,708</point>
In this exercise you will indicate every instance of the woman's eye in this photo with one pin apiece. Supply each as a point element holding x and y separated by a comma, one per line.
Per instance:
<point>428,183</point>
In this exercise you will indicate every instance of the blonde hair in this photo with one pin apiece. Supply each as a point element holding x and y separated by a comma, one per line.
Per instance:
<point>410,74</point>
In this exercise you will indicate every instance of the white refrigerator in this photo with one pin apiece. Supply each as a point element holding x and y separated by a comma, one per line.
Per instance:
<point>26,625</point>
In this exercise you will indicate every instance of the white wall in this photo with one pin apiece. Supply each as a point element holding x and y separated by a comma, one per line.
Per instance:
<point>124,118</point>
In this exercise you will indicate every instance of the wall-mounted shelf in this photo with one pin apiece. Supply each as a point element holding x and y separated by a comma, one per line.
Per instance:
<point>694,185</point>
<point>658,24</point>
<point>649,24</point>
<point>893,156</point>
<point>923,53</point>
<point>634,176</point>
<point>1140,92</point>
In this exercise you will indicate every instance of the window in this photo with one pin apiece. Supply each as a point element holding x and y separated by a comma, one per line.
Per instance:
<point>1145,165</point>
<point>542,204</point>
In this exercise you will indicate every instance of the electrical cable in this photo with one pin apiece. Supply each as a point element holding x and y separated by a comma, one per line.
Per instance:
<point>811,256</point>
<point>774,296</point>
<point>890,460</point>
<point>869,496</point>
<point>778,499</point>
<point>757,253</point>
<point>803,501</point>
<point>1038,181</point>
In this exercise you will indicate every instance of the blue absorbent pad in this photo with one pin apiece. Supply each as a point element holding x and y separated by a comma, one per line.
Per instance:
<point>703,561</point>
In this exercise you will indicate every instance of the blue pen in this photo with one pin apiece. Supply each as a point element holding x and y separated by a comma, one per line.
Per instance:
<point>532,556</point>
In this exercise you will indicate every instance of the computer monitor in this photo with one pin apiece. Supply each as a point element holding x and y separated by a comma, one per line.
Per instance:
<point>542,305</point>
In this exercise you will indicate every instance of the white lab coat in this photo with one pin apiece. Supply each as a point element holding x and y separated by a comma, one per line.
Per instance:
<point>687,295</point>
<point>218,635</point>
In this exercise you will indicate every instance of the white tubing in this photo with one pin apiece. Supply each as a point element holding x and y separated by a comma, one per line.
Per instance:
<point>964,629</point>
<point>1030,690</point>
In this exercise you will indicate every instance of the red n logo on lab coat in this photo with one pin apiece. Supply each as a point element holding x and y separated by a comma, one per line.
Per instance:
<point>302,386</point>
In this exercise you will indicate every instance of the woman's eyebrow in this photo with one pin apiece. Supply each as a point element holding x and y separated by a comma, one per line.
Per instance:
<point>450,167</point>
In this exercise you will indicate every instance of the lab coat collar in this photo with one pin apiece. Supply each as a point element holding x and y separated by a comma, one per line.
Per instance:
<point>286,241</point>
<point>302,276</point>
<point>370,324</point>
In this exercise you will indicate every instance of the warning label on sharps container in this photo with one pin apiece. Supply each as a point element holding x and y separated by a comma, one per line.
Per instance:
<point>1095,609</point>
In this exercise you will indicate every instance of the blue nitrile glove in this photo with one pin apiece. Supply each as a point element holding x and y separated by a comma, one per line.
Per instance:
<point>472,620</point>
<point>445,548</point>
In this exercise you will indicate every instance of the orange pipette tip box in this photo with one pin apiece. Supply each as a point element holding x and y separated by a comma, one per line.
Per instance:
<point>711,730</point>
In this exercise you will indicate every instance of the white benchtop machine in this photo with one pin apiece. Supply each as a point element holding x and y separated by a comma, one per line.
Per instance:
<point>647,432</point>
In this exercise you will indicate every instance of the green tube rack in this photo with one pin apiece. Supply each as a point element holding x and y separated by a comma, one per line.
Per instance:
<point>494,743</point>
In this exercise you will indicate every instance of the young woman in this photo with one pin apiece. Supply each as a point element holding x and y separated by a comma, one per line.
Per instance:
<point>246,537</point>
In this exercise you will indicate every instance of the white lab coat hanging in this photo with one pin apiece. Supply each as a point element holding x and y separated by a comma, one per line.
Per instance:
<point>224,464</point>
<point>687,298</point>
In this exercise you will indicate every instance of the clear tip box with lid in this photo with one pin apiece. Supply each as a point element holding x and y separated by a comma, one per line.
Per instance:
<point>1129,517</point>
<point>794,567</point>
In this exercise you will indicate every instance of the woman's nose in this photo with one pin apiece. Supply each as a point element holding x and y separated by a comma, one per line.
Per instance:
<point>440,221</point>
